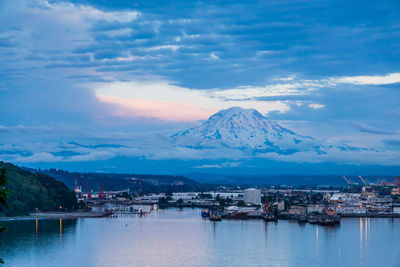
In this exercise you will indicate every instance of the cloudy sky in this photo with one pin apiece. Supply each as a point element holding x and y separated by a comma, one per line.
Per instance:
<point>90,81</point>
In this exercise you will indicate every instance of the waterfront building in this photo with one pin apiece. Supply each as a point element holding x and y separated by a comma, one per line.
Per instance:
<point>346,198</point>
<point>252,196</point>
<point>281,206</point>
<point>297,210</point>
<point>344,210</point>
<point>314,208</point>
<point>396,209</point>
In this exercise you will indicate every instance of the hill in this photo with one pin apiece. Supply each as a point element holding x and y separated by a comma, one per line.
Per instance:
<point>34,190</point>
<point>120,181</point>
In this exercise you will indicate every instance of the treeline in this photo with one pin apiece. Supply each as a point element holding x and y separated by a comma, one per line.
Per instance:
<point>116,181</point>
<point>31,191</point>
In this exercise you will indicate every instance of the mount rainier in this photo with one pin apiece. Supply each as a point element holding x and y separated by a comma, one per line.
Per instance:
<point>248,130</point>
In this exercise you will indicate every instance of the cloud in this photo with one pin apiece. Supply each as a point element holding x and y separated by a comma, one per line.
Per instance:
<point>213,55</point>
<point>93,156</point>
<point>102,65</point>
<point>148,108</point>
<point>316,106</point>
<point>249,92</point>
<point>370,80</point>
<point>384,158</point>
<point>218,166</point>
<point>38,157</point>
<point>370,129</point>
<point>118,32</point>
<point>163,47</point>
<point>76,13</point>
<point>164,101</point>
<point>392,142</point>
<point>155,98</point>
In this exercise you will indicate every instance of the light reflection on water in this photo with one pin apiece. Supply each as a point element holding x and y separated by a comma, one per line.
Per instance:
<point>182,238</point>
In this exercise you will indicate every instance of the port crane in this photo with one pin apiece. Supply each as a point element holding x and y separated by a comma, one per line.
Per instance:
<point>351,184</point>
<point>266,203</point>
<point>362,180</point>
<point>101,191</point>
<point>347,180</point>
<point>89,194</point>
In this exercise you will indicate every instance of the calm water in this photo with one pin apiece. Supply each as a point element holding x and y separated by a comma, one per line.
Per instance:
<point>181,238</point>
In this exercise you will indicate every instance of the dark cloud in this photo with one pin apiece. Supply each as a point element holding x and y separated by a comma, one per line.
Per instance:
<point>392,142</point>
<point>369,129</point>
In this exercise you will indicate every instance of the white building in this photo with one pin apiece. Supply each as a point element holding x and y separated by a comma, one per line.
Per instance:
<point>252,196</point>
<point>396,210</point>
<point>351,210</point>
<point>314,208</point>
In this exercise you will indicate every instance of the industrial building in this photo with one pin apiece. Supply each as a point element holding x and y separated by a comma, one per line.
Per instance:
<point>252,196</point>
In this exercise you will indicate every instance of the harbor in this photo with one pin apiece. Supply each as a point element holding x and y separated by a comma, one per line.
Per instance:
<point>317,205</point>
<point>180,237</point>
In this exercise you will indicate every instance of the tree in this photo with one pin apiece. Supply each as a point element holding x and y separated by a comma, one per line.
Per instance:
<point>241,203</point>
<point>3,196</point>
<point>163,202</point>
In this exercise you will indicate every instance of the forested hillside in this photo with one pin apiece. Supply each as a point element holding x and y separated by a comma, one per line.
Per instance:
<point>29,192</point>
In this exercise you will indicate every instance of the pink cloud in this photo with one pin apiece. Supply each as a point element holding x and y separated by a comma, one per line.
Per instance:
<point>148,108</point>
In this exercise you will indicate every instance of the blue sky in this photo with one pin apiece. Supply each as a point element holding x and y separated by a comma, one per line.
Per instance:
<point>104,71</point>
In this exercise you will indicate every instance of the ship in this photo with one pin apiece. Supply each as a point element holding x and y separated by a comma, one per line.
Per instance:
<point>329,217</point>
<point>267,215</point>
<point>215,216</point>
<point>302,218</point>
<point>314,218</point>
<point>205,213</point>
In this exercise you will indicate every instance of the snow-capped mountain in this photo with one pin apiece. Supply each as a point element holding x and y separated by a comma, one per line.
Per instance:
<point>246,129</point>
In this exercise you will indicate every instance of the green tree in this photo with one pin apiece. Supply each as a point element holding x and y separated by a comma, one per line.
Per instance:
<point>163,202</point>
<point>31,191</point>
<point>3,196</point>
<point>241,203</point>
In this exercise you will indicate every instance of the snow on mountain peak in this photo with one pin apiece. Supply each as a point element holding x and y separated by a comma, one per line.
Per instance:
<point>246,129</point>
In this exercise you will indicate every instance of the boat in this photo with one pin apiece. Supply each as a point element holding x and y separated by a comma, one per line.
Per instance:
<point>314,219</point>
<point>215,217</point>
<point>329,217</point>
<point>302,218</point>
<point>267,215</point>
<point>205,213</point>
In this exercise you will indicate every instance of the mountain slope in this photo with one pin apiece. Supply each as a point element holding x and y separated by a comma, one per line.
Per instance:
<point>30,191</point>
<point>246,129</point>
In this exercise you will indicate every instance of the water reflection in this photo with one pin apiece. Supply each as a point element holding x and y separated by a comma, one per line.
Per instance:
<point>41,231</point>
<point>37,228</point>
<point>266,231</point>
<point>316,230</point>
<point>182,238</point>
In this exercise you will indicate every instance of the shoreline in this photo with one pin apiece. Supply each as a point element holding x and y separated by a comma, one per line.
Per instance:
<point>97,214</point>
<point>56,215</point>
